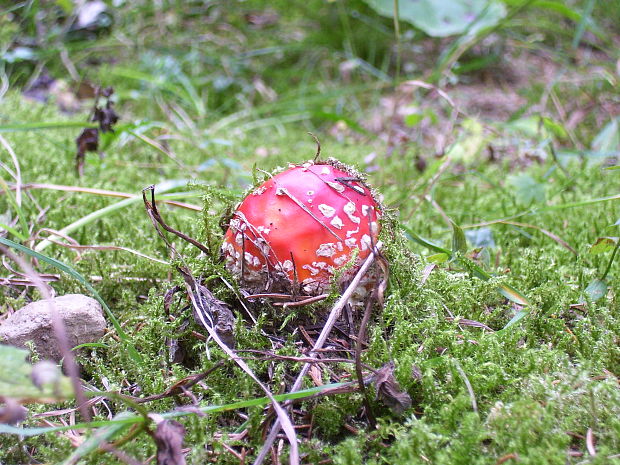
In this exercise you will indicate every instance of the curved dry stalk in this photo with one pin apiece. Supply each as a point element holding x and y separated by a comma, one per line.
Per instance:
<point>301,303</point>
<point>378,296</point>
<point>17,174</point>
<point>103,192</point>
<point>156,219</point>
<point>318,147</point>
<point>78,247</point>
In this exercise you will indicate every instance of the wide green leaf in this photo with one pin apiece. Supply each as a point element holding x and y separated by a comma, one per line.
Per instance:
<point>442,18</point>
<point>527,190</point>
<point>603,244</point>
<point>596,289</point>
<point>608,140</point>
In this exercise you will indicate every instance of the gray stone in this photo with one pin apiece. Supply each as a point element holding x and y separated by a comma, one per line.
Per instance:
<point>82,315</point>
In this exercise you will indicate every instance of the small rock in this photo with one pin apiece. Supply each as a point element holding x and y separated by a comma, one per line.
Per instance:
<point>82,315</point>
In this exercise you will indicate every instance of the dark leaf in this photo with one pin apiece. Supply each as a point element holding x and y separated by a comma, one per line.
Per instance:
<point>106,117</point>
<point>389,391</point>
<point>416,373</point>
<point>211,311</point>
<point>87,141</point>
<point>169,440</point>
<point>168,296</point>
<point>12,412</point>
<point>39,90</point>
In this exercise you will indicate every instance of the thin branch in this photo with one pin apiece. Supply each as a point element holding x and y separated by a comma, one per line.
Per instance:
<point>153,212</point>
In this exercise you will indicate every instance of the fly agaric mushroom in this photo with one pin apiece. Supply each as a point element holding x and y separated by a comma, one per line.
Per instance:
<point>300,227</point>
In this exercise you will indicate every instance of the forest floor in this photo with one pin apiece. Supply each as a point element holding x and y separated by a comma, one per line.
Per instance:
<point>500,180</point>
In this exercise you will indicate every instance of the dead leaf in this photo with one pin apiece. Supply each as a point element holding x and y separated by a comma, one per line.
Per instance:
<point>416,373</point>
<point>315,374</point>
<point>262,19</point>
<point>45,86</point>
<point>389,391</point>
<point>105,116</point>
<point>264,90</point>
<point>39,90</point>
<point>12,412</point>
<point>169,437</point>
<point>88,140</point>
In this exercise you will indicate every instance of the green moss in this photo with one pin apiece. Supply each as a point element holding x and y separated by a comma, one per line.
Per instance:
<point>479,396</point>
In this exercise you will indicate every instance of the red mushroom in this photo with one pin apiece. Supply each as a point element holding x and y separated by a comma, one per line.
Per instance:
<point>300,227</point>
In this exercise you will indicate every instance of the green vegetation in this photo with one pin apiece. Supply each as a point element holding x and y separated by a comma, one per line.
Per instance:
<point>501,185</point>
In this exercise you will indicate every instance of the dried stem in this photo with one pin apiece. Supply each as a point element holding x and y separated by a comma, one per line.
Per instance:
<point>318,147</point>
<point>153,212</point>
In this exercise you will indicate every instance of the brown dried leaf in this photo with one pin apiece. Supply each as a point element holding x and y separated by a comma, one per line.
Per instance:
<point>389,391</point>
<point>12,412</point>
<point>169,296</point>
<point>169,440</point>
<point>39,89</point>
<point>87,141</point>
<point>106,117</point>
<point>416,373</point>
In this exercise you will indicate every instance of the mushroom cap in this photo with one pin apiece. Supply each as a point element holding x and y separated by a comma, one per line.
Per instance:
<point>301,225</point>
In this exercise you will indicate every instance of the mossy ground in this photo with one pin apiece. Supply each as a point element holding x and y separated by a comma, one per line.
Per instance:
<point>526,394</point>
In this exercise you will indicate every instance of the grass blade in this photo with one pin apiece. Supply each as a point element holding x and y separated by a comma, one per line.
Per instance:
<point>93,216</point>
<point>19,211</point>
<point>104,434</point>
<point>134,419</point>
<point>507,291</point>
